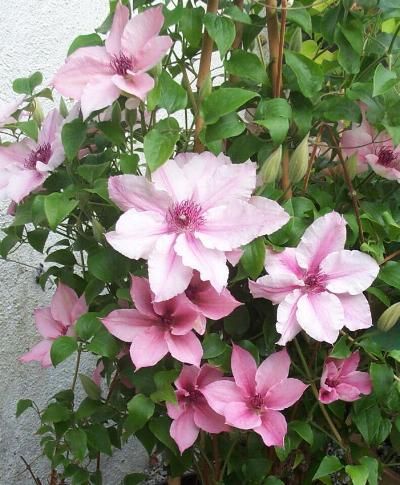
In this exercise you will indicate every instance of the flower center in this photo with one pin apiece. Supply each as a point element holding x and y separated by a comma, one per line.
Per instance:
<point>41,154</point>
<point>314,282</point>
<point>166,320</point>
<point>257,402</point>
<point>121,64</point>
<point>195,396</point>
<point>387,158</point>
<point>185,216</point>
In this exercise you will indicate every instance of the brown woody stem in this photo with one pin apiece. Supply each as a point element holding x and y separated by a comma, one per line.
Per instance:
<point>273,41</point>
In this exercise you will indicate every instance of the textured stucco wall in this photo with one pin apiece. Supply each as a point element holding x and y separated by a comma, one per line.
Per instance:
<point>35,35</point>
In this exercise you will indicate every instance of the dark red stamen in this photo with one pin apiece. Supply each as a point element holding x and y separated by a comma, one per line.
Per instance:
<point>386,157</point>
<point>121,64</point>
<point>41,154</point>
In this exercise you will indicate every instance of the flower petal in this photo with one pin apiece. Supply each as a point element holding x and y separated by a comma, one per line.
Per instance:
<point>272,370</point>
<point>244,369</point>
<point>208,373</point>
<point>136,192</point>
<point>137,84</point>
<point>275,288</point>
<point>210,263</point>
<point>184,431</point>
<point>360,380</point>
<point>187,378</point>
<point>126,324</point>
<point>51,127</point>
<point>121,17</point>
<point>325,235</point>
<point>272,215</point>
<point>220,393</point>
<point>152,53</point>
<point>287,324</point>
<point>167,274</point>
<point>63,301</point>
<point>185,348</point>
<point>349,271</point>
<point>142,296</point>
<point>40,353</point>
<point>284,394</point>
<point>23,182</point>
<point>321,316</point>
<point>283,263</point>
<point>136,233</point>
<point>153,338</point>
<point>238,414</point>
<point>208,420</point>
<point>180,312</point>
<point>171,178</point>
<point>98,93</point>
<point>273,428</point>
<point>357,313</point>
<point>46,325</point>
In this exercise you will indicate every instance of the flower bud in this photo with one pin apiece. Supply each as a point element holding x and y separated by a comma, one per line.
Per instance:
<point>38,115</point>
<point>298,163</point>
<point>389,317</point>
<point>352,165</point>
<point>98,230</point>
<point>296,40</point>
<point>270,168</point>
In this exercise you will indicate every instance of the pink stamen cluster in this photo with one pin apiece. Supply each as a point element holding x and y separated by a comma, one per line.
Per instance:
<point>41,154</point>
<point>185,216</point>
<point>121,64</point>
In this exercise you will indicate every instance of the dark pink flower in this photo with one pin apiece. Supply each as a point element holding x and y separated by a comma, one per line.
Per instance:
<point>96,76</point>
<point>254,399</point>
<point>25,165</point>
<point>54,321</point>
<point>192,412</point>
<point>341,380</point>
<point>154,329</point>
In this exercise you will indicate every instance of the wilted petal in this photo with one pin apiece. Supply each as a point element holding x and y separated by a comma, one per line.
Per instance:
<point>46,325</point>
<point>287,324</point>
<point>321,316</point>
<point>357,313</point>
<point>220,393</point>
<point>184,431</point>
<point>167,274</point>
<point>238,414</point>
<point>272,370</point>
<point>40,353</point>
<point>185,348</point>
<point>126,324</point>
<point>273,428</point>
<point>284,394</point>
<point>136,192</point>
<point>349,271</point>
<point>136,233</point>
<point>244,369</point>
<point>325,235</point>
<point>98,93</point>
<point>148,347</point>
<point>121,17</point>
<point>272,215</point>
<point>210,263</point>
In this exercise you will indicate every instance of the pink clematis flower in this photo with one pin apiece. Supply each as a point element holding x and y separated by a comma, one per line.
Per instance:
<point>192,412</point>
<point>96,76</point>
<point>54,321</point>
<point>319,284</point>
<point>208,302</point>
<point>254,400</point>
<point>154,329</point>
<point>25,165</point>
<point>371,148</point>
<point>8,109</point>
<point>341,380</point>
<point>197,209</point>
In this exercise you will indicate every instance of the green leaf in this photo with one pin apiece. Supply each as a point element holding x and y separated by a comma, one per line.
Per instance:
<point>77,441</point>
<point>61,256</point>
<point>246,65</point>
<point>134,478</point>
<point>191,25</point>
<point>140,409</point>
<point>62,348</point>
<point>274,114</point>
<point>98,438</point>
<point>55,413</point>
<point>107,265</point>
<point>92,390</point>
<point>73,135</point>
<point>335,108</point>
<point>390,274</point>
<point>26,85</point>
<point>253,257</point>
<point>104,344</point>
<point>129,163</point>
<point>113,131</point>
<point>308,73</point>
<point>341,350</point>
<point>383,80</point>
<point>22,406</point>
<point>238,322</point>
<point>87,326</point>
<point>237,14</point>
<point>358,474</point>
<point>228,126</point>
<point>348,58</point>
<point>213,346</point>
<point>304,430</point>
<point>84,41</point>
<point>29,128</point>
<point>382,379</point>
<point>372,465</point>
<point>300,16</point>
<point>223,101</point>
<point>328,465</point>
<point>221,30</point>
<point>37,239</point>
<point>380,295</point>
<point>57,207</point>
<point>160,428</point>
<point>167,94</point>
<point>160,142</point>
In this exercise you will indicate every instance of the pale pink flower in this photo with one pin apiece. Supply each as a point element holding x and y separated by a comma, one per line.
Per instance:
<point>319,284</point>
<point>54,321</point>
<point>197,209</point>
<point>25,165</point>
<point>154,329</point>
<point>254,400</point>
<point>8,109</point>
<point>192,412</point>
<point>97,76</point>
<point>208,302</point>
<point>341,380</point>
<point>371,148</point>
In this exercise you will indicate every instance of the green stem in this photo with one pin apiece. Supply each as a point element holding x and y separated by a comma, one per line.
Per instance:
<point>78,361</point>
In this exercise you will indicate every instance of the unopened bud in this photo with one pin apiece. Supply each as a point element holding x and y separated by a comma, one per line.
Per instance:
<point>298,163</point>
<point>389,318</point>
<point>270,168</point>
<point>38,115</point>
<point>98,230</point>
<point>351,165</point>
<point>296,41</point>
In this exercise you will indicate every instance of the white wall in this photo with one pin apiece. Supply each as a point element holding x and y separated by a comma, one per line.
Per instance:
<point>35,35</point>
